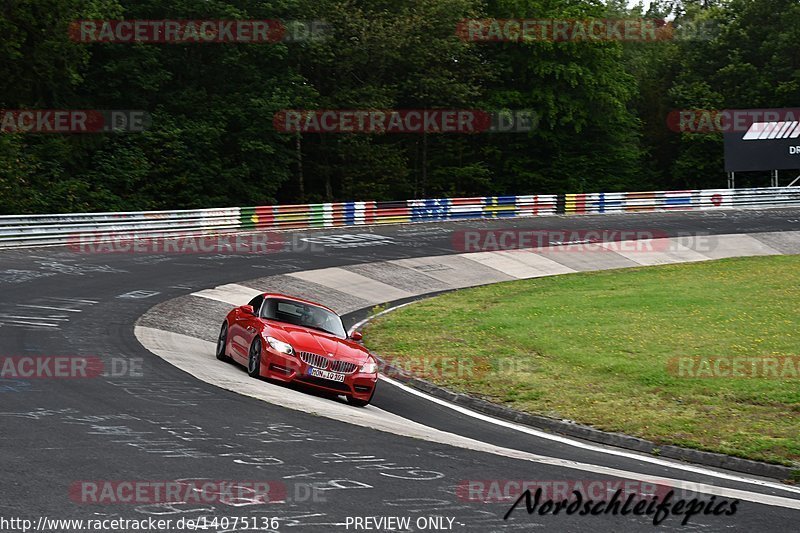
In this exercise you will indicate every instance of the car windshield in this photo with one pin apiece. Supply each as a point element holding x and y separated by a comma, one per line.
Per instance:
<point>302,314</point>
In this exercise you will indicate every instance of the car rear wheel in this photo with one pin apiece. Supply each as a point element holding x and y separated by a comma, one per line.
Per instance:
<point>222,341</point>
<point>254,360</point>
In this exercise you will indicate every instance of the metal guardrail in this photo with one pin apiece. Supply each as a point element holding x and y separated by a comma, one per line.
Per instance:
<point>37,230</point>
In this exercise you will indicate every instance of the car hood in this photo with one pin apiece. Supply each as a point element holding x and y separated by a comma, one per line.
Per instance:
<point>315,341</point>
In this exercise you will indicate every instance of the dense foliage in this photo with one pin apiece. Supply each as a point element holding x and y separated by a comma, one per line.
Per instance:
<point>602,106</point>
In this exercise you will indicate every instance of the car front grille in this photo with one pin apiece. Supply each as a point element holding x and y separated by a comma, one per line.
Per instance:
<point>343,366</point>
<point>319,361</point>
<point>315,360</point>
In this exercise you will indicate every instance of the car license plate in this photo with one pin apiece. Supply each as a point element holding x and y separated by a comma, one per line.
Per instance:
<point>325,374</point>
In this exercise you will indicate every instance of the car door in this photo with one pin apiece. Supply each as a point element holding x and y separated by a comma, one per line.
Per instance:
<point>243,329</point>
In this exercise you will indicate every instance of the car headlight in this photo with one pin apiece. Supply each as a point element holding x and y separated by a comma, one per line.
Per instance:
<point>280,346</point>
<point>370,367</point>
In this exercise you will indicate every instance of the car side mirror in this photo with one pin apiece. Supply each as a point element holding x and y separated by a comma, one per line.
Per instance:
<point>248,310</point>
<point>356,336</point>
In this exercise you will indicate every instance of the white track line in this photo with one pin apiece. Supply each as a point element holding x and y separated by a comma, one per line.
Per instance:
<point>51,308</point>
<point>590,447</point>
<point>77,300</point>
<point>30,324</point>
<point>57,318</point>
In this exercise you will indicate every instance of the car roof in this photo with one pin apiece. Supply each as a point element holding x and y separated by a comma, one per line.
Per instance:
<point>296,299</point>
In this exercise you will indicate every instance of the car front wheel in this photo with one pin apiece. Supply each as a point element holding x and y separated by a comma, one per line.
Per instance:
<point>254,360</point>
<point>355,402</point>
<point>221,342</point>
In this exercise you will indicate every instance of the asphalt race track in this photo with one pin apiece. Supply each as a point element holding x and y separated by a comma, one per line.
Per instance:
<point>158,423</point>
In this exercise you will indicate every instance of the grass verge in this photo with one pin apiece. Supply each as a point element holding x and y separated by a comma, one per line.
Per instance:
<point>600,348</point>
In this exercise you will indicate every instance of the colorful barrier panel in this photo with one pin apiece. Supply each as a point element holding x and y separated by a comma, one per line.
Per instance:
<point>30,230</point>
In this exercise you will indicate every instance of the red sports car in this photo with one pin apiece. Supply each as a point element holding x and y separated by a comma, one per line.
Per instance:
<point>288,339</point>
